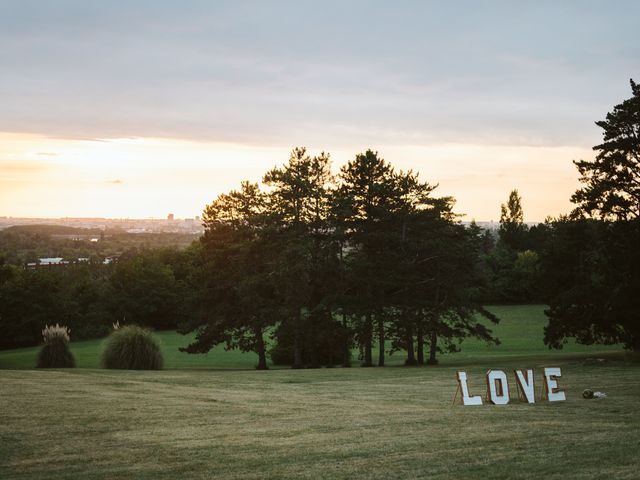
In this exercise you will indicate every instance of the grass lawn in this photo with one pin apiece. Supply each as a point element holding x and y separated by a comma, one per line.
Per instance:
<point>520,330</point>
<point>393,422</point>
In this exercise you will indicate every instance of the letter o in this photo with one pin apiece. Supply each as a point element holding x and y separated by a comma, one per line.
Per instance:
<point>497,387</point>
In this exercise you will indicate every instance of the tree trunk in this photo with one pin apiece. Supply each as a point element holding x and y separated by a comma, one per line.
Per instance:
<point>297,340</point>
<point>368,334</point>
<point>433,348</point>
<point>411,356</point>
<point>635,351</point>
<point>381,340</point>
<point>346,360</point>
<point>260,350</point>
<point>420,338</point>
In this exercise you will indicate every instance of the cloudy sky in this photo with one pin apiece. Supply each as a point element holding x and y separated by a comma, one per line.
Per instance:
<point>141,108</point>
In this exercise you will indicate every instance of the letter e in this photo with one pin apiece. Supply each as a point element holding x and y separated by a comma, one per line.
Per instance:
<point>551,391</point>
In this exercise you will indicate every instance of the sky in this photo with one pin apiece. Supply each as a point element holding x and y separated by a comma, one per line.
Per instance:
<point>141,108</point>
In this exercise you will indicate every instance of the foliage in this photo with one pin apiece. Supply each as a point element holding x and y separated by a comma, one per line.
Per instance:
<point>305,256</point>
<point>512,264</point>
<point>594,265</point>
<point>55,352</point>
<point>132,348</point>
<point>144,290</point>
<point>327,261</point>
<point>73,295</point>
<point>236,300</point>
<point>612,180</point>
<point>512,228</point>
<point>321,343</point>
<point>592,272</point>
<point>364,204</point>
<point>152,287</point>
<point>27,243</point>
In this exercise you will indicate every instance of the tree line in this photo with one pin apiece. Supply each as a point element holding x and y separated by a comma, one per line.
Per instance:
<point>307,265</point>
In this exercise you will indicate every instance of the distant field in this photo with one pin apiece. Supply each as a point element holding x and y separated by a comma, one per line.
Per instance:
<point>520,331</point>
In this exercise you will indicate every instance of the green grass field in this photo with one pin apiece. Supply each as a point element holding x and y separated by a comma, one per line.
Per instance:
<point>216,417</point>
<point>520,331</point>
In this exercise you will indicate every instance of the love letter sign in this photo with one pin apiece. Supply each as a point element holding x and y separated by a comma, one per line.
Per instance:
<point>498,387</point>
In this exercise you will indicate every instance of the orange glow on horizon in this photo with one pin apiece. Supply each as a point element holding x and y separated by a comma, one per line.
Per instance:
<point>150,177</point>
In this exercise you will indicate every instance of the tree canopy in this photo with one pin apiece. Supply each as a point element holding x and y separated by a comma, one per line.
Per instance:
<point>322,262</point>
<point>593,264</point>
<point>611,182</point>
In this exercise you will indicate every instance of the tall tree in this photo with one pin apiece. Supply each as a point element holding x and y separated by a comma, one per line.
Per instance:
<point>412,218</point>
<point>365,199</point>
<point>593,264</point>
<point>238,297</point>
<point>447,280</point>
<point>591,270</point>
<point>611,182</point>
<point>512,227</point>
<point>511,264</point>
<point>300,201</point>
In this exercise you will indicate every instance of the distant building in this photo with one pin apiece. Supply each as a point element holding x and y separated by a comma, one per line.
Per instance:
<point>170,217</point>
<point>51,261</point>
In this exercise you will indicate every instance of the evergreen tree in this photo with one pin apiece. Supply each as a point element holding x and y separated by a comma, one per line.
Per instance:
<point>512,228</point>
<point>593,266</point>
<point>612,180</point>
<point>365,200</point>
<point>304,266</point>
<point>238,297</point>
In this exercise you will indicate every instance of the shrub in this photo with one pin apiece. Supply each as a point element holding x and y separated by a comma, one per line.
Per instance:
<point>55,352</point>
<point>132,348</point>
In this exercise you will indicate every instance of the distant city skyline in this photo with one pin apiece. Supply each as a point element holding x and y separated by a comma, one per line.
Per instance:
<point>113,109</point>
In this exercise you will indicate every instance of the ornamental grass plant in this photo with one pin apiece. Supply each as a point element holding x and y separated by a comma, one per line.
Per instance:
<point>132,348</point>
<point>55,352</point>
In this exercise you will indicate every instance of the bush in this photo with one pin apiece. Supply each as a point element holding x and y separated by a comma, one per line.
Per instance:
<point>132,348</point>
<point>55,352</point>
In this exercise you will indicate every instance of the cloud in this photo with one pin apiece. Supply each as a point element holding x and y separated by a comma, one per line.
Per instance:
<point>340,73</point>
<point>117,181</point>
<point>47,154</point>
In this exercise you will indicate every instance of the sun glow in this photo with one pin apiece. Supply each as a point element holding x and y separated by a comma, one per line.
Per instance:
<point>149,177</point>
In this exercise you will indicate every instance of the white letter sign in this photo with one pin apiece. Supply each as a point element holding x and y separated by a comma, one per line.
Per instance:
<point>551,391</point>
<point>464,389</point>
<point>526,389</point>
<point>497,387</point>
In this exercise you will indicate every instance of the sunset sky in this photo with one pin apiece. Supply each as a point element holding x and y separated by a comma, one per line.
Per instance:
<point>138,109</point>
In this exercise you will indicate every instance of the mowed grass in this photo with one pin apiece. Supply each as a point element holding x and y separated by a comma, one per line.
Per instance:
<point>380,423</point>
<point>394,422</point>
<point>520,330</point>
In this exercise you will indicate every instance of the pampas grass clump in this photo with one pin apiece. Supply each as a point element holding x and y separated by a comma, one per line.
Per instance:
<point>132,348</point>
<point>55,352</point>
